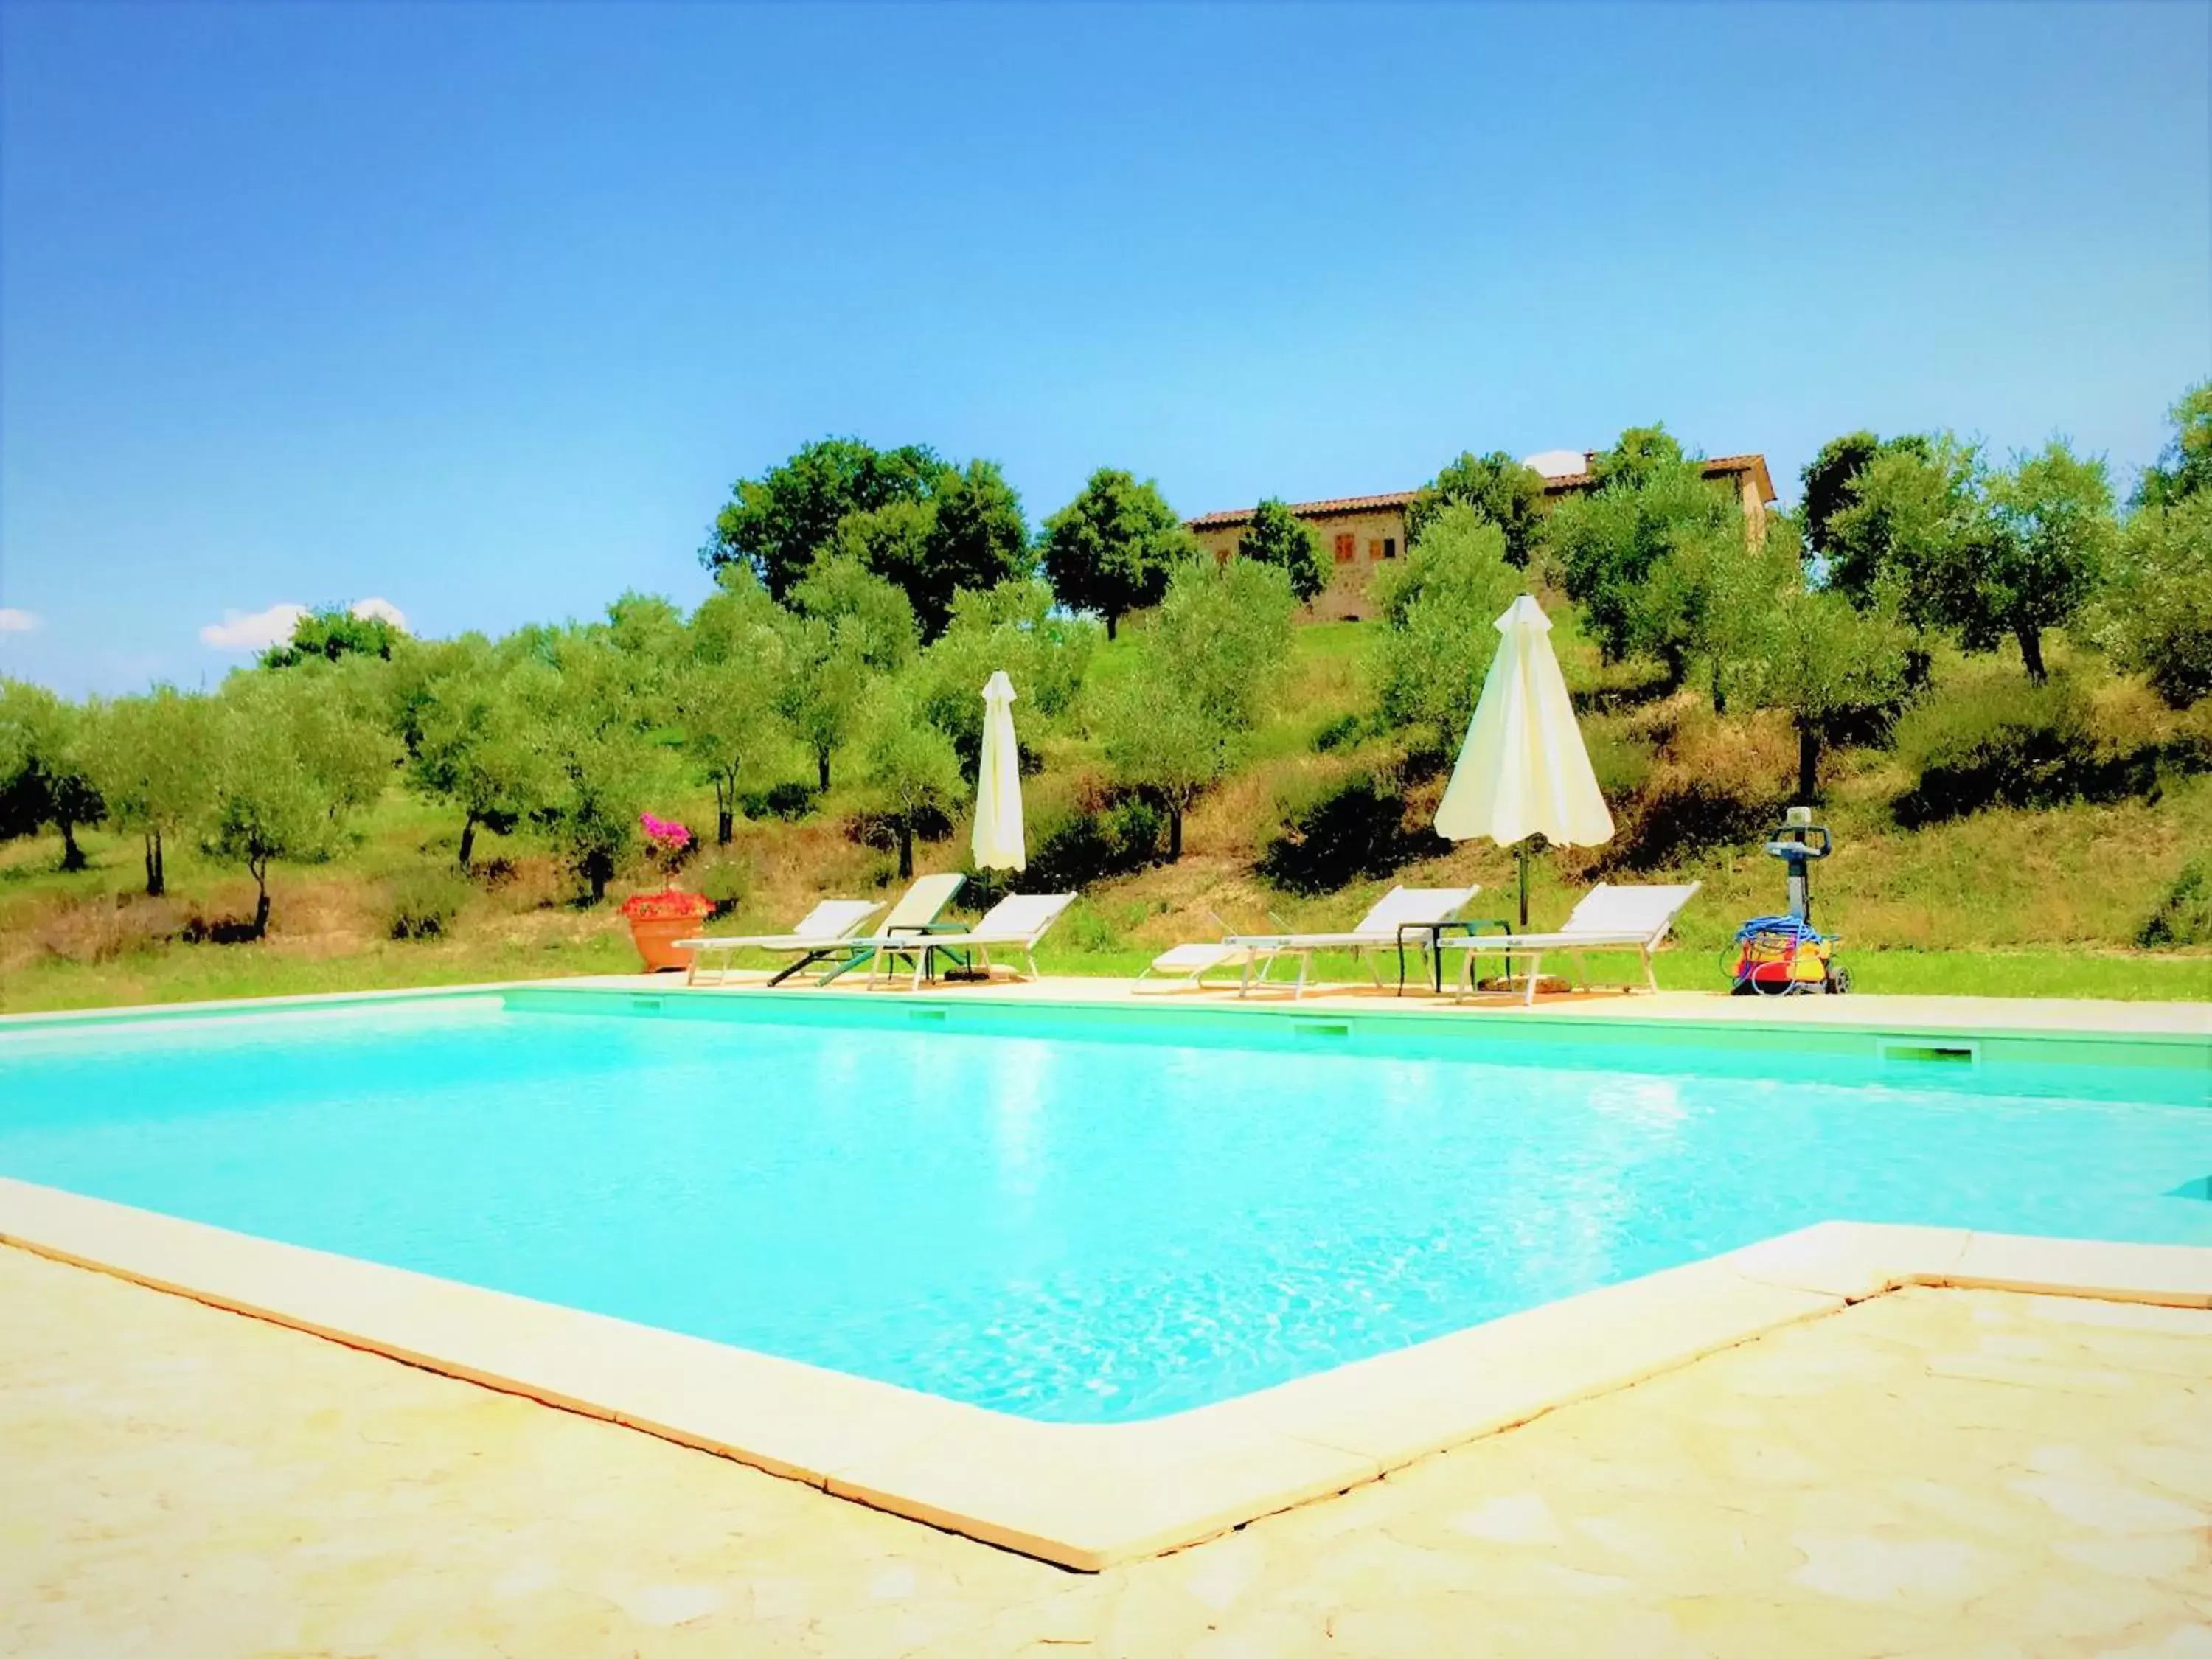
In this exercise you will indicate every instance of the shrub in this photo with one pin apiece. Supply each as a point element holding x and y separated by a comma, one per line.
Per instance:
<point>789,800</point>
<point>1354,831</point>
<point>1713,782</point>
<point>1341,732</point>
<point>724,885</point>
<point>2183,916</point>
<point>880,830</point>
<point>424,905</point>
<point>1097,841</point>
<point>2006,744</point>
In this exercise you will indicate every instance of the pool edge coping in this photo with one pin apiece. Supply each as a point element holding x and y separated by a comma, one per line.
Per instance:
<point>1082,1496</point>
<point>1323,1003</point>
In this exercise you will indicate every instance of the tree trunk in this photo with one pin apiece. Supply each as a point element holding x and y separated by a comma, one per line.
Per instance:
<point>1175,832</point>
<point>260,899</point>
<point>161,868</point>
<point>906,851</point>
<point>72,854</point>
<point>468,841</point>
<point>1113,622</point>
<point>1719,690</point>
<point>1808,760</point>
<point>822,766</point>
<point>153,881</point>
<point>726,815</point>
<point>2030,650</point>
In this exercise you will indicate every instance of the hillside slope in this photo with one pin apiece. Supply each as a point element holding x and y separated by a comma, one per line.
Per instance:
<point>2048,900</point>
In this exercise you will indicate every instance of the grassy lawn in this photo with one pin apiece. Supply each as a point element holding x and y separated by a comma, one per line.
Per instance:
<point>1899,973</point>
<point>212,972</point>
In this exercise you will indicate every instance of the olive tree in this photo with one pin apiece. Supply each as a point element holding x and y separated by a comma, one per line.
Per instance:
<point>292,765</point>
<point>1914,532</point>
<point>907,766</point>
<point>2184,469</point>
<point>1838,671</point>
<point>1161,738</point>
<point>1640,552</point>
<point>1011,627</point>
<point>1439,606</point>
<point>847,627</point>
<point>478,743</point>
<point>2053,514</point>
<point>1206,666</point>
<point>1497,488</point>
<point>43,778</point>
<point>151,757</point>
<point>602,758</point>
<point>724,698</point>
<point>2155,616</point>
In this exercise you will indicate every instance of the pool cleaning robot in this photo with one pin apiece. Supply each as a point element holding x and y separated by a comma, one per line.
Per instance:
<point>1785,956</point>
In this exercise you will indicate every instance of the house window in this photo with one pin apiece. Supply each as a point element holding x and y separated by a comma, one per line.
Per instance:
<point>1389,547</point>
<point>1347,548</point>
<point>1375,550</point>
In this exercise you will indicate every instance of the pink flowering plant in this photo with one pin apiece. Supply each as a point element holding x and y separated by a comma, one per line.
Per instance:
<point>669,843</point>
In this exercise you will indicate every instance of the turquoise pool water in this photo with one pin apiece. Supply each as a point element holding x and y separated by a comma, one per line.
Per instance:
<point>1065,1226</point>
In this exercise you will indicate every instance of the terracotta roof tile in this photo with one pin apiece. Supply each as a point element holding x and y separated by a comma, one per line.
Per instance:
<point>1335,507</point>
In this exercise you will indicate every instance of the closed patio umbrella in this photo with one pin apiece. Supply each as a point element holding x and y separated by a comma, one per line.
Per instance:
<point>997,841</point>
<point>1524,770</point>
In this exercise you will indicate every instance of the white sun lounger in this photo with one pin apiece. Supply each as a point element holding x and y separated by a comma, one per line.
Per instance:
<point>1607,919</point>
<point>1014,923</point>
<point>823,931</point>
<point>1184,967</point>
<point>1405,915</point>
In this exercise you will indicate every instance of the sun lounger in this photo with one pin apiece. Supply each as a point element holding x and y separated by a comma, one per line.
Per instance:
<point>1607,919</point>
<point>817,933</point>
<point>1014,923</point>
<point>1186,966</point>
<point>1406,916</point>
<point>916,913</point>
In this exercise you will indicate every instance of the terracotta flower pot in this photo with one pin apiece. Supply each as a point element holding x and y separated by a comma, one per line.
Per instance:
<point>655,938</point>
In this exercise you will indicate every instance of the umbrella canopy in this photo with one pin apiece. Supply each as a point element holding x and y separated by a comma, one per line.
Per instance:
<point>1524,770</point>
<point>998,841</point>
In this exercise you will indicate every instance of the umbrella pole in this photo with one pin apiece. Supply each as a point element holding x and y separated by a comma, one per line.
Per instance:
<point>1521,857</point>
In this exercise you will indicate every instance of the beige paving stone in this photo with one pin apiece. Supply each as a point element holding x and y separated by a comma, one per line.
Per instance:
<point>2113,1506</point>
<point>1907,1571</point>
<point>181,1482</point>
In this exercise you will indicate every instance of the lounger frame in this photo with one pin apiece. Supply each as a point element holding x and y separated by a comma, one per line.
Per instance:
<point>1661,904</point>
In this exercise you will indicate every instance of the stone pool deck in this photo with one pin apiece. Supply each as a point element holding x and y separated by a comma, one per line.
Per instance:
<point>2084,1015</point>
<point>1930,1472</point>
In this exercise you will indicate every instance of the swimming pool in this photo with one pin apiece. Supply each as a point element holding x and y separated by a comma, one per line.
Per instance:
<point>1070,1216</point>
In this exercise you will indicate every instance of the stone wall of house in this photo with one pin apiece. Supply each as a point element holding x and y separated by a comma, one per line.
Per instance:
<point>1754,509</point>
<point>1354,544</point>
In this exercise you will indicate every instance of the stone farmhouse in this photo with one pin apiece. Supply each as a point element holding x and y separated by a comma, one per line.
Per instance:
<point>1363,531</point>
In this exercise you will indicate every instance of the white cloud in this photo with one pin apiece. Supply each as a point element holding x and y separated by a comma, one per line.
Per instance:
<point>17,621</point>
<point>383,608</point>
<point>255,631</point>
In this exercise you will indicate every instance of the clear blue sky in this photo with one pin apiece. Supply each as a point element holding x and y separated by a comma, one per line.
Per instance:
<point>481,309</point>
